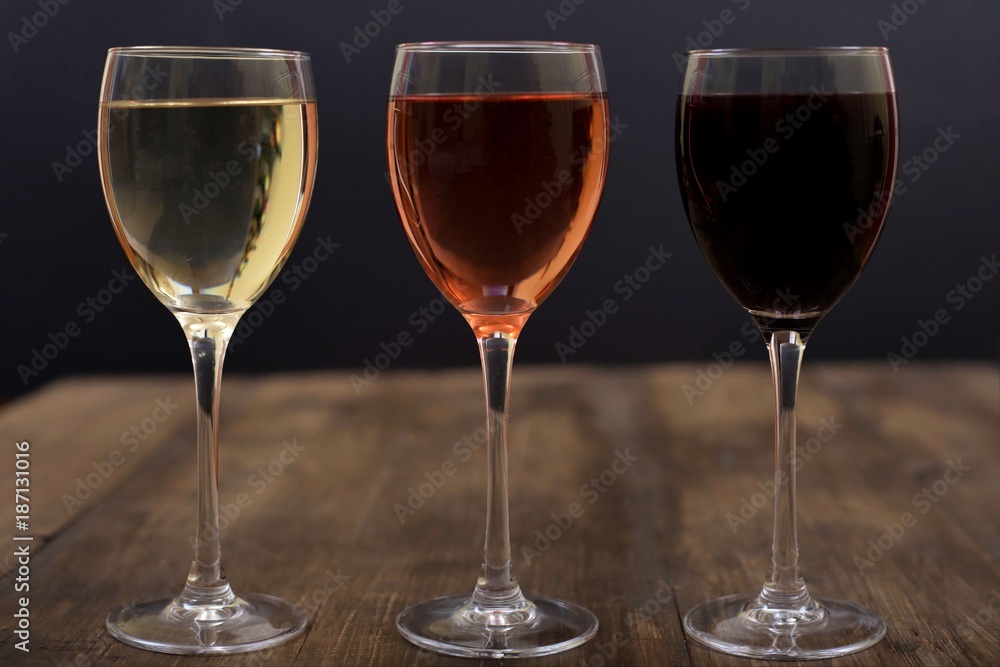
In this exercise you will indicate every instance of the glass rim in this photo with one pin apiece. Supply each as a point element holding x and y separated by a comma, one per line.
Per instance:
<point>208,52</point>
<point>749,52</point>
<point>488,46</point>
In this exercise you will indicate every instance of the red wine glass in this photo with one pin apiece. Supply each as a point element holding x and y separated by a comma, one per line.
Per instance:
<point>786,161</point>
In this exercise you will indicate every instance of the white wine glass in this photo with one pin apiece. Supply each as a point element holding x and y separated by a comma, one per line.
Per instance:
<point>497,158</point>
<point>207,158</point>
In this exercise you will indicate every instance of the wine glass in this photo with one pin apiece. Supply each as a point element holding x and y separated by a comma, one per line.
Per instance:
<point>497,159</point>
<point>786,161</point>
<point>207,157</point>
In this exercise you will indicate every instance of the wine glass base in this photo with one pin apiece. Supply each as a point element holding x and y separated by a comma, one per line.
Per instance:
<point>251,622</point>
<point>843,627</point>
<point>547,626</point>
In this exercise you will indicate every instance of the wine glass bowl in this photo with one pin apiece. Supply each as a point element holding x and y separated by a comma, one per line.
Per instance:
<point>497,158</point>
<point>786,161</point>
<point>207,160</point>
<point>520,149</point>
<point>207,233</point>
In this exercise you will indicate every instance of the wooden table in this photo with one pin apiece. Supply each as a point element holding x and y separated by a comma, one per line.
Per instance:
<point>113,482</point>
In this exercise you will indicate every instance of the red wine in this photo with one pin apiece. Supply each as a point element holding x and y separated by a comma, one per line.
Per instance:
<point>786,194</point>
<point>497,192</point>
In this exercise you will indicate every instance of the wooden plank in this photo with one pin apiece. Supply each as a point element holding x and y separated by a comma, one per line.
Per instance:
<point>654,542</point>
<point>82,443</point>
<point>838,514</point>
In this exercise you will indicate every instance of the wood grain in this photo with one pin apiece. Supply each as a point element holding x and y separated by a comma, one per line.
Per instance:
<point>652,541</point>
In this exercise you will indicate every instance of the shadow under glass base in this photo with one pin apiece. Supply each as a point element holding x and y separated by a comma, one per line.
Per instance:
<point>251,622</point>
<point>834,628</point>
<point>453,625</point>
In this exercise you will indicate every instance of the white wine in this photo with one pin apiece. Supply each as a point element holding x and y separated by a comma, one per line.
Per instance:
<point>208,196</point>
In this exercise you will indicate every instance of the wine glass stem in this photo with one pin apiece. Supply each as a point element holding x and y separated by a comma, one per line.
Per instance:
<point>206,582</point>
<point>497,586</point>
<point>784,585</point>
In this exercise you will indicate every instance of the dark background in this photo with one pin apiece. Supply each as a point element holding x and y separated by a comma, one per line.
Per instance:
<point>57,247</point>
